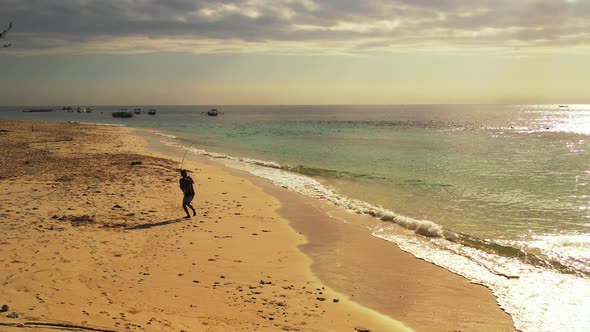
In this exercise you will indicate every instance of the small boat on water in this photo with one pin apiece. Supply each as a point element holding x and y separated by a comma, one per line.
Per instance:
<point>212,112</point>
<point>39,110</point>
<point>137,111</point>
<point>122,114</point>
<point>152,112</point>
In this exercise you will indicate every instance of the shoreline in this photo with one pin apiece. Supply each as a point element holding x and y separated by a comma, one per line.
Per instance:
<point>140,267</point>
<point>92,237</point>
<point>333,244</point>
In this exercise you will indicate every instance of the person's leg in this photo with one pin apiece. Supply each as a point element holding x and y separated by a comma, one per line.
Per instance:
<point>192,208</point>
<point>185,210</point>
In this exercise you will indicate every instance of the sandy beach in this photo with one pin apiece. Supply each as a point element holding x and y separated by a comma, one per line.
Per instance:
<point>92,239</point>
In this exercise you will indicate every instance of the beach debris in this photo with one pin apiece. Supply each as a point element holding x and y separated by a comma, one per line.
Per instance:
<point>321,299</point>
<point>336,300</point>
<point>13,314</point>
<point>135,163</point>
<point>78,219</point>
<point>361,329</point>
<point>4,308</point>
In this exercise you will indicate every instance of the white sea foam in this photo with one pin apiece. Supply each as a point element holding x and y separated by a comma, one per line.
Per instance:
<point>537,299</point>
<point>165,135</point>
<point>571,248</point>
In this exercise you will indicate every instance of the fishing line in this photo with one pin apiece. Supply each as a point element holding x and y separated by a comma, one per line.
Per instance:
<point>185,151</point>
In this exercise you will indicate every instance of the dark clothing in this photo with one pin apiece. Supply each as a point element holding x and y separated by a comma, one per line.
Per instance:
<point>187,199</point>
<point>186,184</point>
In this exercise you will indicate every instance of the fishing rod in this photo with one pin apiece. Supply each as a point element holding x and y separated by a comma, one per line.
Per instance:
<point>185,151</point>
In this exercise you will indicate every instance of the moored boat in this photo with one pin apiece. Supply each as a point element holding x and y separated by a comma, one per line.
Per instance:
<point>39,110</point>
<point>122,114</point>
<point>212,112</point>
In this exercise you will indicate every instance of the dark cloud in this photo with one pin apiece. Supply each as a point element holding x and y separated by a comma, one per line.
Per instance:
<point>352,24</point>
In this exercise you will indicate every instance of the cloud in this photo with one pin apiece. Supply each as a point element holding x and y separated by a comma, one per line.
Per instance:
<point>293,26</point>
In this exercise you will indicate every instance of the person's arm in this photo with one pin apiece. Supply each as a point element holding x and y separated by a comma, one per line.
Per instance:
<point>190,179</point>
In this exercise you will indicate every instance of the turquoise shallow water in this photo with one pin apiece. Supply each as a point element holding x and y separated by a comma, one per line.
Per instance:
<point>509,181</point>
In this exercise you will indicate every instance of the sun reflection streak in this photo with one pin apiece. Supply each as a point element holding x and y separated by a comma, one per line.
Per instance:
<point>569,119</point>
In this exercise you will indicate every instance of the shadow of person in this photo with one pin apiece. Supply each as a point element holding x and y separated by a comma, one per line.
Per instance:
<point>161,223</point>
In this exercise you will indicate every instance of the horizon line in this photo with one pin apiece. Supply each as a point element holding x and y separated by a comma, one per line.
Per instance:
<point>222,105</point>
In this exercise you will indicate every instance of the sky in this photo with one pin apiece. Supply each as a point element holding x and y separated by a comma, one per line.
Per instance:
<point>190,52</point>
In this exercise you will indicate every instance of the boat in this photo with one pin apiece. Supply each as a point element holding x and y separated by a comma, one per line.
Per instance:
<point>66,108</point>
<point>122,115</point>
<point>212,112</point>
<point>137,111</point>
<point>39,110</point>
<point>152,112</point>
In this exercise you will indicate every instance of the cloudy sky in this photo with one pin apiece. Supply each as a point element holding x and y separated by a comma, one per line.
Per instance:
<point>294,51</point>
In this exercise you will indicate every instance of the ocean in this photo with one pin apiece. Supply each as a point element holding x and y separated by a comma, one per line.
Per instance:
<point>496,193</point>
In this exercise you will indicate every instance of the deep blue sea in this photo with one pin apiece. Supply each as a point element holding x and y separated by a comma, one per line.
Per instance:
<point>496,193</point>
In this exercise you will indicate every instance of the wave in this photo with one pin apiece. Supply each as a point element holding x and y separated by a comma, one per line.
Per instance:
<point>99,123</point>
<point>331,173</point>
<point>164,135</point>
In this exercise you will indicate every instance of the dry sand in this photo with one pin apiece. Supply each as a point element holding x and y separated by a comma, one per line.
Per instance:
<point>91,238</point>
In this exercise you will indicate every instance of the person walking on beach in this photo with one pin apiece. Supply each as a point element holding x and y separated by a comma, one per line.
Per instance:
<point>186,185</point>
